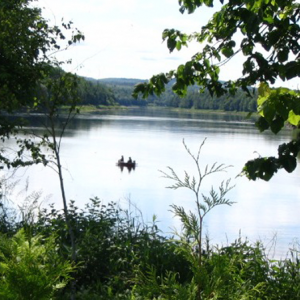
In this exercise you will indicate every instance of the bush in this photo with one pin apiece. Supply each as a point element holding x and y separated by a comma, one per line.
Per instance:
<point>112,246</point>
<point>30,267</point>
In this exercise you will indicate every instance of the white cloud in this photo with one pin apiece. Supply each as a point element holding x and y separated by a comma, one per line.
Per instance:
<point>124,37</point>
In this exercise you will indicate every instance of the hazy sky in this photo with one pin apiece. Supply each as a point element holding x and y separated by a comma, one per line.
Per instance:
<point>123,38</point>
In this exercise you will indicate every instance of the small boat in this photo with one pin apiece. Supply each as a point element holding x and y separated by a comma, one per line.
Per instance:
<point>126,164</point>
<point>130,165</point>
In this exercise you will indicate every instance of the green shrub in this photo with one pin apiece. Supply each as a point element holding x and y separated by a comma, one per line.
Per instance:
<point>112,245</point>
<point>30,268</point>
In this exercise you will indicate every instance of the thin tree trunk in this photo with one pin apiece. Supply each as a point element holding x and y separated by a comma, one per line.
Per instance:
<point>200,255</point>
<point>65,205</point>
<point>66,212</point>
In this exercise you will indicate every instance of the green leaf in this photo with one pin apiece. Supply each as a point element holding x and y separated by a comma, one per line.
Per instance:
<point>269,19</point>
<point>283,55</point>
<point>293,118</point>
<point>208,3</point>
<point>296,105</point>
<point>289,163</point>
<point>171,43</point>
<point>277,124</point>
<point>263,91</point>
<point>260,102</point>
<point>165,34</point>
<point>292,70</point>
<point>262,124</point>
<point>227,52</point>
<point>282,109</point>
<point>269,112</point>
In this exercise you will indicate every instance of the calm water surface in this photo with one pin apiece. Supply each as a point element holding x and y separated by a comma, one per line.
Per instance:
<point>93,144</point>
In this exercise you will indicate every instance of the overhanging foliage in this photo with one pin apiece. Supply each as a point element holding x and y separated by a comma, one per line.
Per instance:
<point>269,45</point>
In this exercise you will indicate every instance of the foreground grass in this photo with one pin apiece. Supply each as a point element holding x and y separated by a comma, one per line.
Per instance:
<point>119,257</point>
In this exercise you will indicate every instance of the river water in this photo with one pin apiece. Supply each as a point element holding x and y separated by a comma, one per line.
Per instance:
<point>268,211</point>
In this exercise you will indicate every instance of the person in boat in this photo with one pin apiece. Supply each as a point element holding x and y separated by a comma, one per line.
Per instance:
<point>129,160</point>
<point>121,160</point>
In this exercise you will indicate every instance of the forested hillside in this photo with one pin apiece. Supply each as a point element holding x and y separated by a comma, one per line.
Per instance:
<point>122,91</point>
<point>95,93</point>
<point>90,91</point>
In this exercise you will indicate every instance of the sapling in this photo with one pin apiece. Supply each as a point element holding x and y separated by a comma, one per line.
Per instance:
<point>191,239</point>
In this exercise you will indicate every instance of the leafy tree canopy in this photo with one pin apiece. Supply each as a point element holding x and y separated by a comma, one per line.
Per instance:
<point>27,47</point>
<point>270,48</point>
<point>27,43</point>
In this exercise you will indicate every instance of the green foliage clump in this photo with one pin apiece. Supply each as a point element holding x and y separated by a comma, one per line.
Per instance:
<point>119,257</point>
<point>237,271</point>
<point>277,107</point>
<point>111,246</point>
<point>30,267</point>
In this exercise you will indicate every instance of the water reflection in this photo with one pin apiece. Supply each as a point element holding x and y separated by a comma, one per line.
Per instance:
<point>126,166</point>
<point>162,119</point>
<point>154,138</point>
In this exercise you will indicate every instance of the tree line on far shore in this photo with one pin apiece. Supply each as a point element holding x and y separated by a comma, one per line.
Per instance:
<point>121,89</point>
<point>118,91</point>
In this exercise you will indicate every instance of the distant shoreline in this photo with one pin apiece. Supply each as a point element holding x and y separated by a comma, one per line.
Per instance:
<point>92,108</point>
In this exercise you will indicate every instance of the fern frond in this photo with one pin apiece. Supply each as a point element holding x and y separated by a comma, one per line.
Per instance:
<point>214,199</point>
